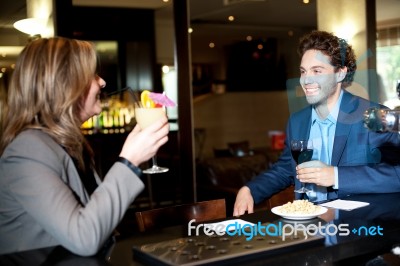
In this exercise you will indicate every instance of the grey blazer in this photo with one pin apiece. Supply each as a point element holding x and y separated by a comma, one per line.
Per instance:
<point>43,202</point>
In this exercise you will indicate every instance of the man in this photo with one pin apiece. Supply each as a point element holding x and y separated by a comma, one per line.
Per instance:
<point>347,159</point>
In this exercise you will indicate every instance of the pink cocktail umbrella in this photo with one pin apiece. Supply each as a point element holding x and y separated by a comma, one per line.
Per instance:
<point>162,99</point>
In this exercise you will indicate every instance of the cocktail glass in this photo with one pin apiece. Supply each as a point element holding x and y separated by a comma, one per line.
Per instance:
<point>146,116</point>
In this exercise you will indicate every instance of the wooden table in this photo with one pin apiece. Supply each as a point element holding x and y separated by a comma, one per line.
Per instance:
<point>383,212</point>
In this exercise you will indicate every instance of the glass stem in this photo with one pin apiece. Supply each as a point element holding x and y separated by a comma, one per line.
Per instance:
<point>154,161</point>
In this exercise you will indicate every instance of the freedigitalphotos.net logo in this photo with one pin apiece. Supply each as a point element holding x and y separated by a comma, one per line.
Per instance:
<point>283,230</point>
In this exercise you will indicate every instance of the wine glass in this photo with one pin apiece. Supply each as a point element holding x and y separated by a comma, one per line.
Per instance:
<point>302,151</point>
<point>145,116</point>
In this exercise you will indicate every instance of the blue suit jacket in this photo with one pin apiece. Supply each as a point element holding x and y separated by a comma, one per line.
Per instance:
<point>368,162</point>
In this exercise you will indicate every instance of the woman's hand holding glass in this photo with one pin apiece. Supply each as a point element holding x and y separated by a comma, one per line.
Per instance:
<point>143,144</point>
<point>150,109</point>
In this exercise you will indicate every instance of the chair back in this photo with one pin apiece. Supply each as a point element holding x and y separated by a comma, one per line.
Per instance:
<point>181,214</point>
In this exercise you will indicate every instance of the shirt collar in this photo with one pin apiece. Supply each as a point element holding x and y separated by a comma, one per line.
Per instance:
<point>333,115</point>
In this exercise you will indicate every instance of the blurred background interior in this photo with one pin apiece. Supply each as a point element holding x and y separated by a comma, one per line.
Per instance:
<point>231,65</point>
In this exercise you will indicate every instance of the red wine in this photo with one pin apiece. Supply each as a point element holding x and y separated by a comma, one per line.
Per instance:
<point>301,156</point>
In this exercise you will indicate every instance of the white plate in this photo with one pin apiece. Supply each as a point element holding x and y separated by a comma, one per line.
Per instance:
<point>275,210</point>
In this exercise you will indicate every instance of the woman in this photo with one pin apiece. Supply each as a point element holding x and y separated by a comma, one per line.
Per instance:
<point>49,192</point>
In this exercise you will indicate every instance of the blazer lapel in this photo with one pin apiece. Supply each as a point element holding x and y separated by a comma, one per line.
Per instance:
<point>351,112</point>
<point>302,125</point>
<point>342,131</point>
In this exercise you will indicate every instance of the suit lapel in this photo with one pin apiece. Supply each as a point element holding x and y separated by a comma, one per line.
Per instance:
<point>302,125</point>
<point>346,119</point>
<point>342,130</point>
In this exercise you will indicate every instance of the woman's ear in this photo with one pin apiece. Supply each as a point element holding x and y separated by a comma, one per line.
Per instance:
<point>341,74</point>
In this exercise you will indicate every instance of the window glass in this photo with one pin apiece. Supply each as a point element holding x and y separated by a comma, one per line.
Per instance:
<point>388,65</point>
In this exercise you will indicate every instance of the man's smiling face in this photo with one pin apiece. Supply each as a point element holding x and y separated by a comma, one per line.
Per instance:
<point>318,77</point>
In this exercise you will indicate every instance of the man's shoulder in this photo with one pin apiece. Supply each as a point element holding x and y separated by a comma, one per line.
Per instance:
<point>354,104</point>
<point>350,97</point>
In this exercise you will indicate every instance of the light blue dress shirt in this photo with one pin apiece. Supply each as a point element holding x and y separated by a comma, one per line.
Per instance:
<point>322,133</point>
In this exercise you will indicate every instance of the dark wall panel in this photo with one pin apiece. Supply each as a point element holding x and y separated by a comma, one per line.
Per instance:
<point>255,66</point>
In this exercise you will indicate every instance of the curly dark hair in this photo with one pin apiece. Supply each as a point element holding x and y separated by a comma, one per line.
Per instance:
<point>340,52</point>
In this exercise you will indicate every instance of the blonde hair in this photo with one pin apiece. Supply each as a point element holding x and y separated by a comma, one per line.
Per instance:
<point>50,79</point>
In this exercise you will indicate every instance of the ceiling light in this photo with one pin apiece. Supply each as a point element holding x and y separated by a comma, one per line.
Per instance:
<point>31,26</point>
<point>165,69</point>
<point>231,18</point>
<point>10,51</point>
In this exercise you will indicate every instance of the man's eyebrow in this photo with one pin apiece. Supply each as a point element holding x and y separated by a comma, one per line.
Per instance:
<point>313,67</point>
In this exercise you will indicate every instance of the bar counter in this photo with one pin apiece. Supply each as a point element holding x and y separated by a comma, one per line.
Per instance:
<point>380,221</point>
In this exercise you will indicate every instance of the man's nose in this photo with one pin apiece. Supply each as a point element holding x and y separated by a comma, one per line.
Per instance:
<point>308,79</point>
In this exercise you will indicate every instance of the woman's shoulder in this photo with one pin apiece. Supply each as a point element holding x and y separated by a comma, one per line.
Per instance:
<point>31,136</point>
<point>32,141</point>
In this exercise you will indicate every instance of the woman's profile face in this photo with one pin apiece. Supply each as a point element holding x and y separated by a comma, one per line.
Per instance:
<point>91,104</point>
